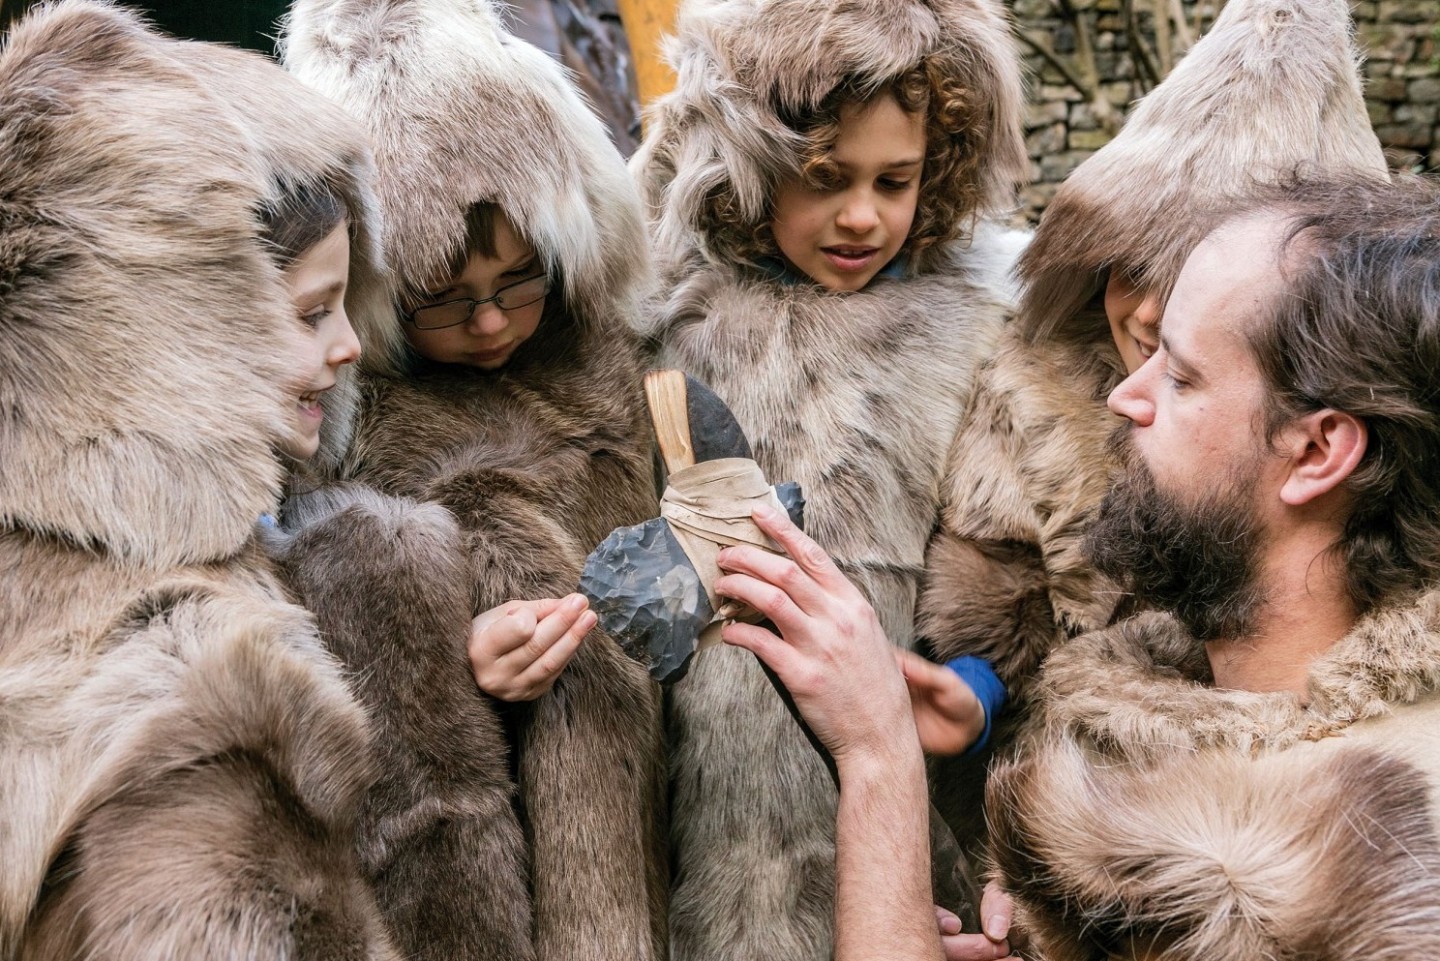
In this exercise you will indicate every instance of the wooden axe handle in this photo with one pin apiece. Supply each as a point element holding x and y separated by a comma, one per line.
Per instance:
<point>670,413</point>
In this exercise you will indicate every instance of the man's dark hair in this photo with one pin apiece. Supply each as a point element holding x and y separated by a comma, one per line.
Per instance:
<point>1358,331</point>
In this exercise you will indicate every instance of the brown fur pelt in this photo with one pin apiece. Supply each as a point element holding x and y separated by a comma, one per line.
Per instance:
<point>1153,811</point>
<point>1005,576</point>
<point>539,461</point>
<point>180,761</point>
<point>438,834</point>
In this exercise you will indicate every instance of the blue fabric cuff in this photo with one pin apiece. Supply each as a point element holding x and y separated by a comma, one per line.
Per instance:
<point>988,688</point>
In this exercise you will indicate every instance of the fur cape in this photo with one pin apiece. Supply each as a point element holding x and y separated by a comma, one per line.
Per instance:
<point>1153,812</point>
<point>536,463</point>
<point>856,396</point>
<point>1273,89</point>
<point>180,760</point>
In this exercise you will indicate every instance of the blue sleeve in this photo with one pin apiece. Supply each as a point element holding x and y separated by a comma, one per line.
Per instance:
<point>981,677</point>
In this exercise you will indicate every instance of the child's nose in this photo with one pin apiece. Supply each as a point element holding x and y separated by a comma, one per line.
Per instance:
<point>488,320</point>
<point>858,215</point>
<point>345,348</point>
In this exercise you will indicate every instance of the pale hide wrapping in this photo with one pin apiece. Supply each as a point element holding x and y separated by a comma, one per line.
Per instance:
<point>653,585</point>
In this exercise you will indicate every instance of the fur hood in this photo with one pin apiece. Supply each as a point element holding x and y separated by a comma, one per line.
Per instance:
<point>1161,810</point>
<point>1271,91</point>
<point>451,100</point>
<point>743,65</point>
<point>139,416</point>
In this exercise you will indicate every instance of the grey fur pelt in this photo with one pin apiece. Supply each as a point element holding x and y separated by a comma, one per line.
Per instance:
<point>180,761</point>
<point>1273,89</point>
<point>537,462</point>
<point>1153,811</point>
<point>856,396</point>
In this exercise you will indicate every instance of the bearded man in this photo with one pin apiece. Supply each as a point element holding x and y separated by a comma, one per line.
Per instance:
<point>1249,769</point>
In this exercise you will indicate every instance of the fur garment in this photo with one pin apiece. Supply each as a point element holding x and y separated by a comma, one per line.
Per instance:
<point>856,396</point>
<point>1272,89</point>
<point>536,463</point>
<point>1154,812</point>
<point>181,763</point>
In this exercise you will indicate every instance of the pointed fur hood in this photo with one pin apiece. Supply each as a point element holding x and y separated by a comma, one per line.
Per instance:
<point>459,112</point>
<point>744,65</point>
<point>145,329</point>
<point>1271,91</point>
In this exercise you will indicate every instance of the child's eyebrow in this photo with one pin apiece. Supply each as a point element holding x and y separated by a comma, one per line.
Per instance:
<point>320,292</point>
<point>889,165</point>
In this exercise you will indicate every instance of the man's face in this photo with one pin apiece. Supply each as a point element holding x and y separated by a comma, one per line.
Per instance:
<point>1198,487</point>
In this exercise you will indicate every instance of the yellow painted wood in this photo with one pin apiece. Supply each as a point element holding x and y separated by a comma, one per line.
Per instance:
<point>646,22</point>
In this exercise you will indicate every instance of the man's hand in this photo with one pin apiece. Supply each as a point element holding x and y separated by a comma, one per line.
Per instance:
<point>834,658</point>
<point>948,715</point>
<point>518,649</point>
<point>996,909</point>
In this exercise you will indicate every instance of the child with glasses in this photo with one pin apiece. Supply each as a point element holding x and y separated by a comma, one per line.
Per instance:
<point>505,386</point>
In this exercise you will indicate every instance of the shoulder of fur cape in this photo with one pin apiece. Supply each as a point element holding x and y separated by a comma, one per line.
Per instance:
<point>1141,688</point>
<point>1026,471</point>
<point>1216,854</point>
<point>744,65</point>
<point>157,675</point>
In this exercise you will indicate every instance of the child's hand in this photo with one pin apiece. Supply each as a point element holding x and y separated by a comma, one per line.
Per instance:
<point>518,649</point>
<point>948,715</point>
<point>996,908</point>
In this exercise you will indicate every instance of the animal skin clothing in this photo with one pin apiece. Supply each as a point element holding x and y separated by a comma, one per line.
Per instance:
<point>854,395</point>
<point>181,763</point>
<point>1154,815</point>
<point>1006,578</point>
<point>533,465</point>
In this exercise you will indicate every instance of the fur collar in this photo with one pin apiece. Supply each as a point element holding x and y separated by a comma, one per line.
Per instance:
<point>1142,688</point>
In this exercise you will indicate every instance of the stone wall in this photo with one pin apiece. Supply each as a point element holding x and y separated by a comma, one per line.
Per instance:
<point>1402,73</point>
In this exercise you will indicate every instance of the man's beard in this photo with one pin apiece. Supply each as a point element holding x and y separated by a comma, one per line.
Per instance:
<point>1197,561</point>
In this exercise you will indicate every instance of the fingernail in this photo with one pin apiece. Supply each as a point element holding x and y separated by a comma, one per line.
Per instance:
<point>950,925</point>
<point>576,603</point>
<point>996,928</point>
<point>763,511</point>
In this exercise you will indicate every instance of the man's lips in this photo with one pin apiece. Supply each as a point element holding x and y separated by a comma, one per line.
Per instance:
<point>847,259</point>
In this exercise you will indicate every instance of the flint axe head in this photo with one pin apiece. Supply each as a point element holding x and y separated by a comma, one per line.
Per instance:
<point>640,583</point>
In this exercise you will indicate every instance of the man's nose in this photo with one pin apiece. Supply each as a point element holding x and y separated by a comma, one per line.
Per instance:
<point>1133,398</point>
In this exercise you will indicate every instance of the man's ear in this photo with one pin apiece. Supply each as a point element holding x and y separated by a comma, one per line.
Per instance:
<point>1325,448</point>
